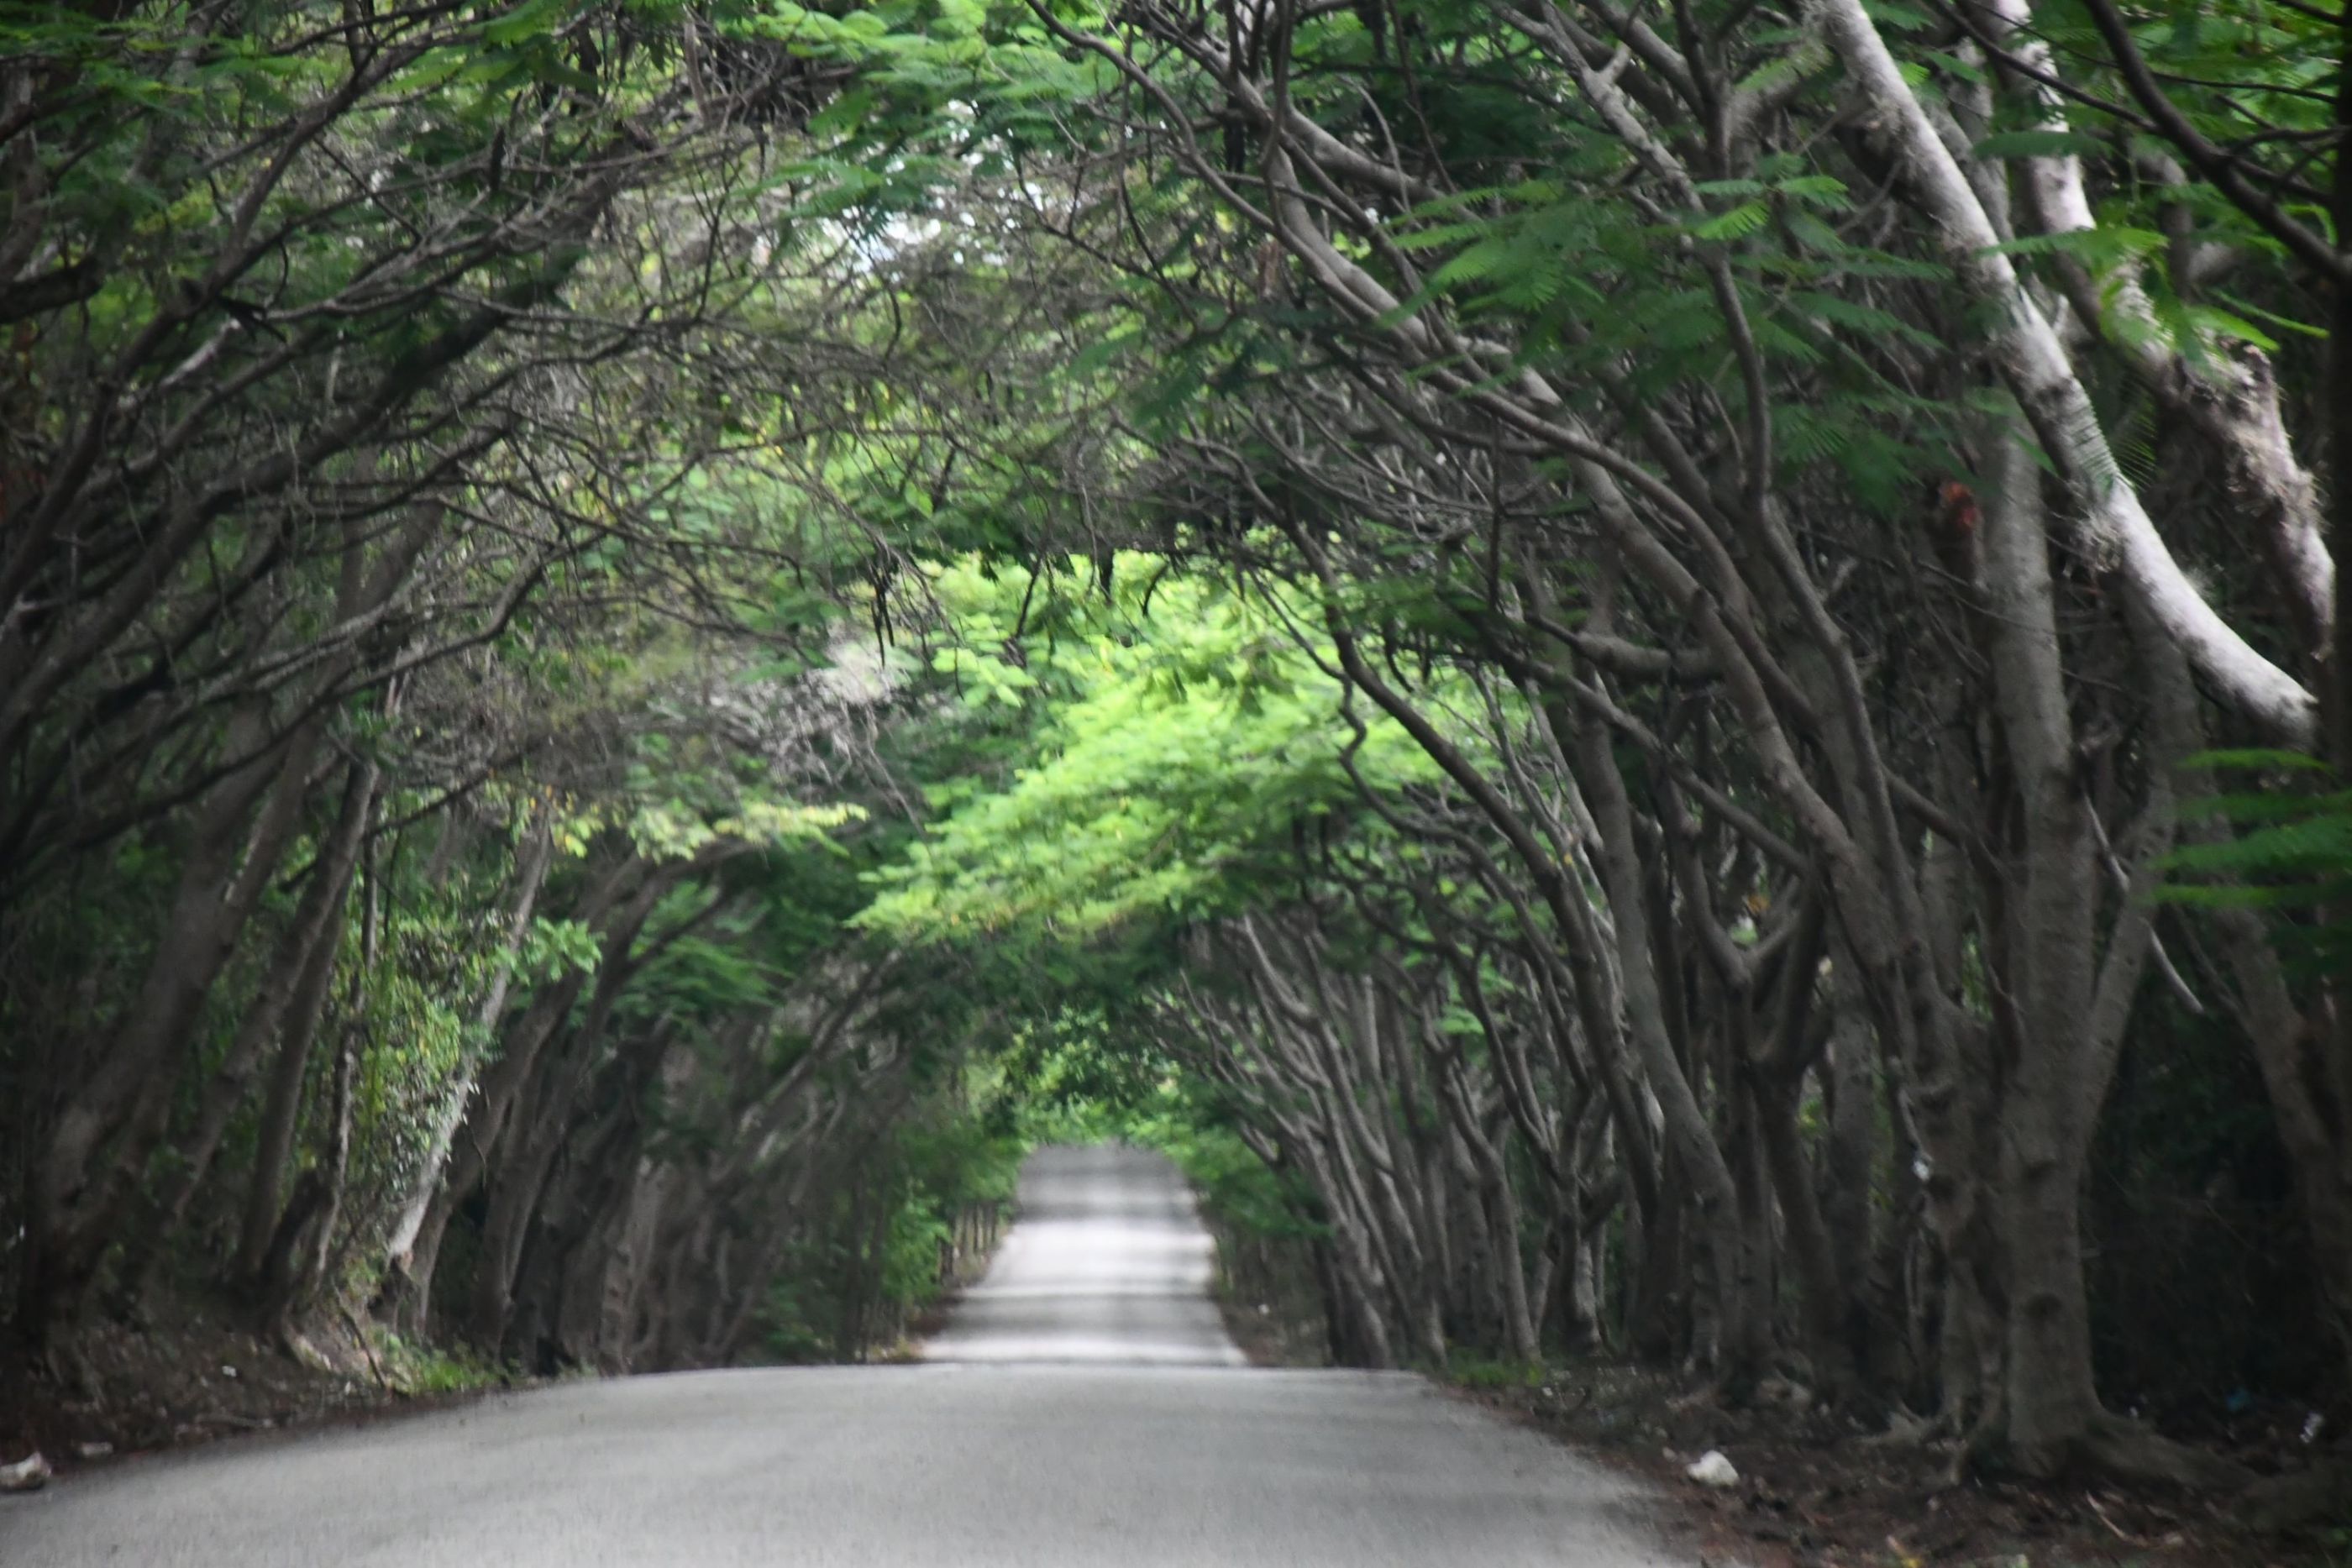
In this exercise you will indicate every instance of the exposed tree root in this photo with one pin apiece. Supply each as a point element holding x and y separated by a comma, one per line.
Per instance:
<point>1906,1430</point>
<point>2129,1451</point>
<point>2113,1449</point>
<point>2320,1494</point>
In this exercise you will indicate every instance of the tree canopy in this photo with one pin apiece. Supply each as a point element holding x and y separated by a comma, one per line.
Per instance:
<point>1661,676</point>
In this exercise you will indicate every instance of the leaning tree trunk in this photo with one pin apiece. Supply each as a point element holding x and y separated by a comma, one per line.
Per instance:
<point>294,1269</point>
<point>292,991</point>
<point>2306,1073</point>
<point>2110,523</point>
<point>86,1168</point>
<point>531,875</point>
<point>282,1108</point>
<point>491,1097</point>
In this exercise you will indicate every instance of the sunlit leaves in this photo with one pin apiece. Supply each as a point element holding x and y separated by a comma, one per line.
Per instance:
<point>668,830</point>
<point>1186,743</point>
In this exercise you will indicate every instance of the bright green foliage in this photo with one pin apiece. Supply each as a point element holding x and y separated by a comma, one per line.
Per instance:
<point>1194,737</point>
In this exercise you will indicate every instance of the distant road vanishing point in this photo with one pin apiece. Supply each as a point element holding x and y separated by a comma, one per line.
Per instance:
<point>1109,1266</point>
<point>1083,1409</point>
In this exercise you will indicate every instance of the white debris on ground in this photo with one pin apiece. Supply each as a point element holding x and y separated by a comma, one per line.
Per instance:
<point>1713,1470</point>
<point>30,1473</point>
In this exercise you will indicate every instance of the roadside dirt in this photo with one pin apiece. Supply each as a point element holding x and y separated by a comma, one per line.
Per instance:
<point>1812,1493</point>
<point>1272,1313</point>
<point>1269,1338</point>
<point>113,1389</point>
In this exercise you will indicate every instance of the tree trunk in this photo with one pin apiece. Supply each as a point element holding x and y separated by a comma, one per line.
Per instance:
<point>531,875</point>
<point>282,1110</point>
<point>2112,523</point>
<point>495,1092</point>
<point>290,997</point>
<point>98,1147</point>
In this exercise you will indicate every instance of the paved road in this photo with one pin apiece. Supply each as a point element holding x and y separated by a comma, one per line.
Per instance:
<point>1109,1265</point>
<point>1085,1411</point>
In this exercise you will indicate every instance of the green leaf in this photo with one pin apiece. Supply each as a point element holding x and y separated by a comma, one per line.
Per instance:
<point>1738,223</point>
<point>2038,144</point>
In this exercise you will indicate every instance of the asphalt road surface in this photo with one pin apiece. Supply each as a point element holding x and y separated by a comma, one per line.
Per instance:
<point>1084,1409</point>
<point>1109,1266</point>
